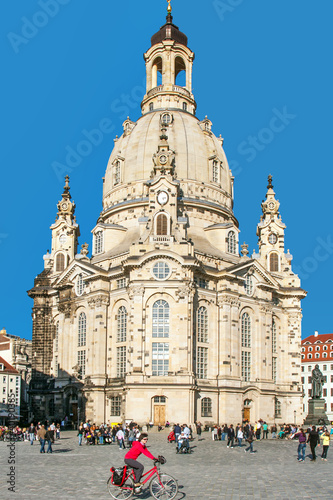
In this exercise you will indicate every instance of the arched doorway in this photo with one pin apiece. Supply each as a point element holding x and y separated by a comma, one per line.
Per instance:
<point>247,410</point>
<point>159,410</point>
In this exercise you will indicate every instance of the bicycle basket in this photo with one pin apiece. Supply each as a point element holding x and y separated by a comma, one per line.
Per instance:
<point>161,459</point>
<point>118,475</point>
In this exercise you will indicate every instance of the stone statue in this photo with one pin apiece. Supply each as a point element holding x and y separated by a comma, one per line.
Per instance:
<point>317,380</point>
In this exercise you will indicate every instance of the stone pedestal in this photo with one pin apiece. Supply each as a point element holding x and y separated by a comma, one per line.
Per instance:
<point>316,413</point>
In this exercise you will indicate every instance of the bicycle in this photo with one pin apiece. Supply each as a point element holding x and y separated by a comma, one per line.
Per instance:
<point>162,486</point>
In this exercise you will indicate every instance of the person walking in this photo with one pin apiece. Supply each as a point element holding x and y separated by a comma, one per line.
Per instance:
<point>313,439</point>
<point>250,439</point>
<point>224,432</point>
<point>301,444</point>
<point>231,436</point>
<point>32,432</point>
<point>120,437</point>
<point>326,443</point>
<point>240,436</point>
<point>49,437</point>
<point>41,436</point>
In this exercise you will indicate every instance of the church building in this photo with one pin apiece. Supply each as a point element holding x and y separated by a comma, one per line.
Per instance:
<point>169,318</point>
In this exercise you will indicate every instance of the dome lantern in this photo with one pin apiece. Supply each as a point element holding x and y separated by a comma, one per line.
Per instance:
<point>169,64</point>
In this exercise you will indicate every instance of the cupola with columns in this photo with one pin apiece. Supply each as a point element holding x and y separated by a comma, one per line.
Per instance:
<point>168,56</point>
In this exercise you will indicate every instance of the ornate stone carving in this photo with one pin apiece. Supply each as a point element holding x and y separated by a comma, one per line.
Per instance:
<point>98,301</point>
<point>136,291</point>
<point>65,308</point>
<point>228,300</point>
<point>185,291</point>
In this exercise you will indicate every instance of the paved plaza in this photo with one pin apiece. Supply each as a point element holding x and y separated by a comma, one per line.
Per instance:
<point>211,472</point>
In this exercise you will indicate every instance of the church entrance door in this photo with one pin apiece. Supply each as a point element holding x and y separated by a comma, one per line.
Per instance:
<point>159,415</point>
<point>247,414</point>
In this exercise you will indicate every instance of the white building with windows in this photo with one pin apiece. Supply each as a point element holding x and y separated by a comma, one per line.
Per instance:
<point>168,319</point>
<point>318,350</point>
<point>10,390</point>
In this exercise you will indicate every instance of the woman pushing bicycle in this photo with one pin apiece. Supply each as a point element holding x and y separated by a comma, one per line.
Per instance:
<point>131,456</point>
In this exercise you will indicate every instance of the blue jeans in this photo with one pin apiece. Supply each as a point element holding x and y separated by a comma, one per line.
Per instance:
<point>80,439</point>
<point>240,441</point>
<point>301,451</point>
<point>176,437</point>
<point>223,436</point>
<point>49,448</point>
<point>250,447</point>
<point>32,437</point>
<point>101,440</point>
<point>42,444</point>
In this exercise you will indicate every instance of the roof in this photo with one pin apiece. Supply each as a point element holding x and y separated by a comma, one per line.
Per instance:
<point>8,368</point>
<point>312,339</point>
<point>169,31</point>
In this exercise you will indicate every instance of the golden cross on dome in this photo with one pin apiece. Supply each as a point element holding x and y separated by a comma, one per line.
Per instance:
<point>169,6</point>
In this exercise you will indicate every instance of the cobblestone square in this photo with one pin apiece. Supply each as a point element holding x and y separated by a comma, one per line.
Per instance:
<point>211,471</point>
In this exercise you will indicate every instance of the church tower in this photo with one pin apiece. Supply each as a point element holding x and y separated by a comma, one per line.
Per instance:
<point>166,310</point>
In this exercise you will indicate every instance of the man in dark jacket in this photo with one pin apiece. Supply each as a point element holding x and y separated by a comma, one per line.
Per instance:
<point>177,430</point>
<point>231,436</point>
<point>49,437</point>
<point>32,432</point>
<point>313,439</point>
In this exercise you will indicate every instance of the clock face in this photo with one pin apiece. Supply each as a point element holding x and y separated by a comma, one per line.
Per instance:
<point>64,206</point>
<point>162,198</point>
<point>163,159</point>
<point>62,239</point>
<point>271,205</point>
<point>272,238</point>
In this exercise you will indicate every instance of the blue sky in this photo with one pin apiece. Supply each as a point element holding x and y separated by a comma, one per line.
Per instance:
<point>69,64</point>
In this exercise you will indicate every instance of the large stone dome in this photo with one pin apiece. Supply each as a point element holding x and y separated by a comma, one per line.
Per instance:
<point>195,148</point>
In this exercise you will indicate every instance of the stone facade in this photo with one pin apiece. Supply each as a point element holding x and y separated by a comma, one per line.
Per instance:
<point>168,320</point>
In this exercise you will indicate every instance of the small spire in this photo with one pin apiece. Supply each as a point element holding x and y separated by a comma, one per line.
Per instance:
<point>66,193</point>
<point>270,180</point>
<point>169,6</point>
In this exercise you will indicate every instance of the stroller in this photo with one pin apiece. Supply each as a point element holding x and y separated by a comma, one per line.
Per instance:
<point>183,445</point>
<point>171,437</point>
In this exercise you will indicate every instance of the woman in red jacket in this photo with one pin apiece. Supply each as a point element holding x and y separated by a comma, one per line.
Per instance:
<point>138,447</point>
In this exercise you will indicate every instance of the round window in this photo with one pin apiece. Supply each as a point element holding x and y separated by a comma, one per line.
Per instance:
<point>272,238</point>
<point>161,270</point>
<point>166,119</point>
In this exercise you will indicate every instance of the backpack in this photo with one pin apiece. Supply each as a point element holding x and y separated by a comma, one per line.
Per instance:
<point>118,475</point>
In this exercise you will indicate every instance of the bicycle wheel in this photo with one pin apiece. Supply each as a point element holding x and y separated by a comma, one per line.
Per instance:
<point>163,488</point>
<point>123,492</point>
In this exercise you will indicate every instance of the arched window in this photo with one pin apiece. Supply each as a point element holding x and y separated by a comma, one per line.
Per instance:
<point>99,242</point>
<point>277,408</point>
<point>161,319</point>
<point>246,330</point>
<point>161,225</point>
<point>248,285</point>
<point>231,242</point>
<point>202,324</point>
<point>274,336</point>
<point>180,72</point>
<point>274,262</point>
<point>157,70</point>
<point>60,262</point>
<point>206,407</point>
<point>151,106</point>
<point>116,173</point>
<point>121,324</point>
<point>56,338</point>
<point>184,106</point>
<point>82,330</point>
<point>80,285</point>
